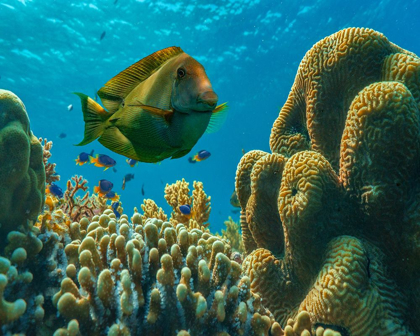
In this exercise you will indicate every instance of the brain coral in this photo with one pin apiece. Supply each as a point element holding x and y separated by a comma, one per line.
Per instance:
<point>345,243</point>
<point>22,173</point>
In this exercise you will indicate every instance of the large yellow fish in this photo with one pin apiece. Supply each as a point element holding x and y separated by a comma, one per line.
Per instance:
<point>157,108</point>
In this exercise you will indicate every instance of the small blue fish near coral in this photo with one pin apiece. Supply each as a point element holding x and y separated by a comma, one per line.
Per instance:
<point>54,190</point>
<point>200,156</point>
<point>83,158</point>
<point>185,210</point>
<point>103,188</point>
<point>132,162</point>
<point>114,207</point>
<point>102,160</point>
<point>127,177</point>
<point>112,195</point>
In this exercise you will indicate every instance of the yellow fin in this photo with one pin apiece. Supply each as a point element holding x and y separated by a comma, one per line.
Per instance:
<point>117,88</point>
<point>94,116</point>
<point>156,111</point>
<point>217,118</point>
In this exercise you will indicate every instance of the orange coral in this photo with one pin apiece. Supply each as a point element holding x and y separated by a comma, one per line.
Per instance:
<point>77,207</point>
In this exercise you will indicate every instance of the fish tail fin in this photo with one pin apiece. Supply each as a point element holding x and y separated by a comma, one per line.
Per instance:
<point>94,116</point>
<point>93,159</point>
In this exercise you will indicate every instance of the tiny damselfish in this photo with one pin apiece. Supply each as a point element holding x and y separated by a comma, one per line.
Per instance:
<point>157,108</point>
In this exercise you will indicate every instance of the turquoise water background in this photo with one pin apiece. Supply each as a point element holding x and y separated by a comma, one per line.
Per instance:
<point>251,50</point>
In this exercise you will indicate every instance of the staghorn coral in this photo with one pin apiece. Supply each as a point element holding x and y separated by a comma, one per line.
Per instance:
<point>347,251</point>
<point>177,194</point>
<point>22,173</point>
<point>77,207</point>
<point>50,173</point>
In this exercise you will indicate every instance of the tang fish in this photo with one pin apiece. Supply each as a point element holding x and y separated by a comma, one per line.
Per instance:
<point>62,135</point>
<point>54,190</point>
<point>155,109</point>
<point>102,36</point>
<point>103,188</point>
<point>200,156</point>
<point>132,162</point>
<point>102,160</point>
<point>127,177</point>
<point>142,189</point>
<point>185,210</point>
<point>112,195</point>
<point>83,158</point>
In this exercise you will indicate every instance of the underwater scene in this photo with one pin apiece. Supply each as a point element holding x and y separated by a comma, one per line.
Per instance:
<point>225,168</point>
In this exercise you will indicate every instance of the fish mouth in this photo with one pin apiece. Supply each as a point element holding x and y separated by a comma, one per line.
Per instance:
<point>207,101</point>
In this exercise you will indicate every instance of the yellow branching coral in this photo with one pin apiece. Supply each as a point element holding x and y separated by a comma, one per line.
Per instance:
<point>151,210</point>
<point>178,194</point>
<point>348,198</point>
<point>201,204</point>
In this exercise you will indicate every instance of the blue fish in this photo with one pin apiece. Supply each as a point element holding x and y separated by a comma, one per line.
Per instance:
<point>103,160</point>
<point>185,210</point>
<point>200,156</point>
<point>83,158</point>
<point>127,177</point>
<point>111,195</point>
<point>104,187</point>
<point>55,190</point>
<point>132,162</point>
<point>114,207</point>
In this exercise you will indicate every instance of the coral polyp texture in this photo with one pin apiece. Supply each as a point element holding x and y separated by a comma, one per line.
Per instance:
<point>340,192</point>
<point>22,173</point>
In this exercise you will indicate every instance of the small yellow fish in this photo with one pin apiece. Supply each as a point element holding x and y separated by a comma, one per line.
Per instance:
<point>157,108</point>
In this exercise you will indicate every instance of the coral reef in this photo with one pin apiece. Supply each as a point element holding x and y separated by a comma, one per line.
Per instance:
<point>330,219</point>
<point>233,236</point>
<point>22,173</point>
<point>50,173</point>
<point>77,207</point>
<point>177,194</point>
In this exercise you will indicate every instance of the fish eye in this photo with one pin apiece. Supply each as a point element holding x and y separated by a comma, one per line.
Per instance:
<point>181,72</point>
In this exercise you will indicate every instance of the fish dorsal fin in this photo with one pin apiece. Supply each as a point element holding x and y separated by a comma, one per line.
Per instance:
<point>117,88</point>
<point>217,118</point>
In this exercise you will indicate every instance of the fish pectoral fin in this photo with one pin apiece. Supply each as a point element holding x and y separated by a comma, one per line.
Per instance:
<point>217,118</point>
<point>155,111</point>
<point>117,88</point>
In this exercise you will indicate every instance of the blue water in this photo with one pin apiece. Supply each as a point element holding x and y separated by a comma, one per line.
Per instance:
<point>251,50</point>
